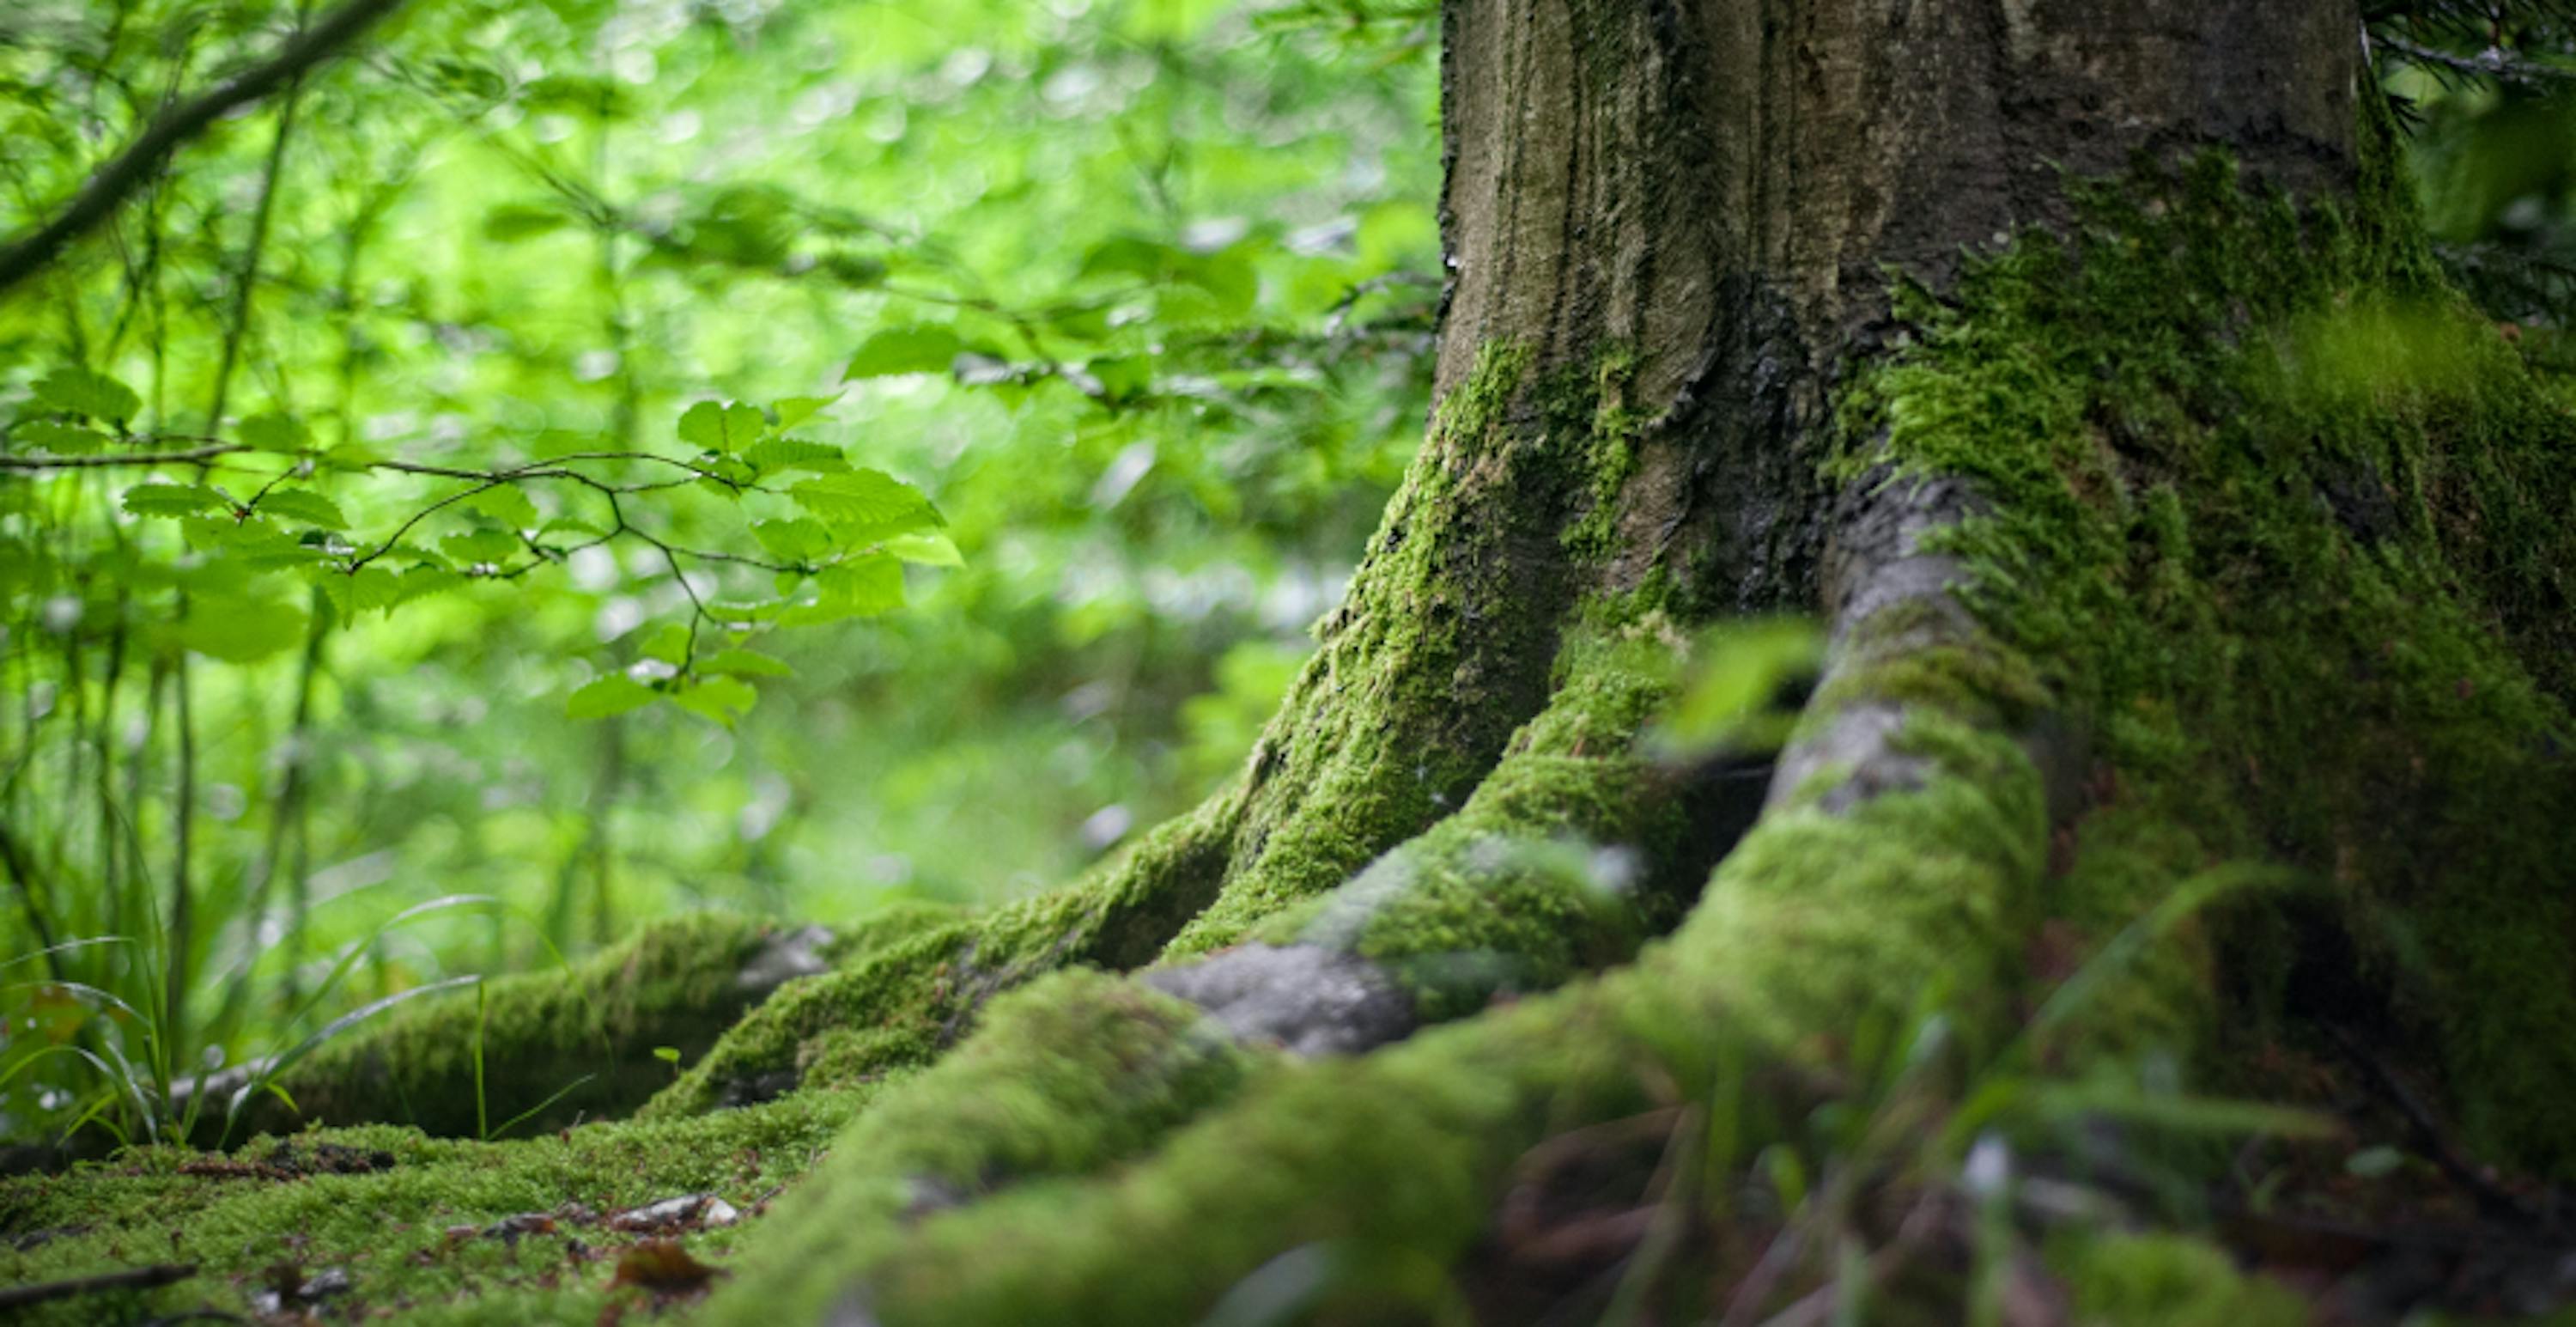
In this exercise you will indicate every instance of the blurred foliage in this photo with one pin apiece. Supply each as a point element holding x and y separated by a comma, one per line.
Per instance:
<point>752,454</point>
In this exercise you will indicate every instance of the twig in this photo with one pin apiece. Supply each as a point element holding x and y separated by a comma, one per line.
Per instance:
<point>134,1278</point>
<point>142,159</point>
<point>2492,62</point>
<point>2430,1135</point>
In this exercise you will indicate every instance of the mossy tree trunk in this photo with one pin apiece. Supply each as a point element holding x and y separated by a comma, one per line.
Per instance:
<point>2176,526</point>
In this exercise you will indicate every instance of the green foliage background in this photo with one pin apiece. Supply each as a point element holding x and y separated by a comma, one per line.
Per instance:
<point>1136,292</point>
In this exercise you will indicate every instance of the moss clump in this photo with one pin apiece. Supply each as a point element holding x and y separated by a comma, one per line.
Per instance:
<point>385,1205</point>
<point>588,1033</point>
<point>1419,686</point>
<point>900,1003</point>
<point>2168,1281</point>
<point>1566,857</point>
<point>1072,1074</point>
<point>2281,521</point>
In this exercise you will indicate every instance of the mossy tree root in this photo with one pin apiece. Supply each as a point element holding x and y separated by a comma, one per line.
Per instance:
<point>1904,857</point>
<point>577,1043</point>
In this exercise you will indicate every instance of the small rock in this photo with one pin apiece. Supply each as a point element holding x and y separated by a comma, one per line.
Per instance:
<point>690,1211</point>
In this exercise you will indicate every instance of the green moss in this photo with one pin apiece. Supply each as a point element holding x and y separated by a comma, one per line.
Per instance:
<point>2281,522</point>
<point>588,1033</point>
<point>1565,858</point>
<point>900,1004</point>
<point>2168,1281</point>
<point>389,1229</point>
<point>1816,924</point>
<point>1076,1072</point>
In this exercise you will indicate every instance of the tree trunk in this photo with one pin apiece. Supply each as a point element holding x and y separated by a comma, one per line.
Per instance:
<point>2196,576</point>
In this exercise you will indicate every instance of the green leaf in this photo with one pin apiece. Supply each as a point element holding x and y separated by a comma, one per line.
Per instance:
<point>305,505</point>
<point>795,410</point>
<point>423,581</point>
<point>519,221</point>
<point>1122,377</point>
<point>173,500</point>
<point>60,439</point>
<point>357,592</point>
<point>238,630</point>
<point>508,505</point>
<point>473,547</point>
<point>774,454</point>
<point>743,663</point>
<point>611,694</point>
<point>669,643</point>
<point>569,525</point>
<point>867,504</point>
<point>667,1054</point>
<point>81,392</point>
<point>1129,255</point>
<point>930,550</point>
<point>723,429</point>
<point>273,432</point>
<point>799,540</point>
<point>862,587</point>
<point>905,350</point>
<point>352,456</point>
<point>264,547</point>
<point>721,699</point>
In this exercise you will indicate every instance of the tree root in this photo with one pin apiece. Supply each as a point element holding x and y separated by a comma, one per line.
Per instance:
<point>1857,892</point>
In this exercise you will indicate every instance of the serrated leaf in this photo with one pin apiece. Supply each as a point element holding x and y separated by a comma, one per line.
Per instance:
<point>239,630</point>
<point>173,500</point>
<point>741,614</point>
<point>93,395</point>
<point>721,699</point>
<point>60,439</point>
<point>668,642</point>
<point>802,539</point>
<point>474,547</point>
<point>569,525</point>
<point>743,663</point>
<point>904,350</point>
<point>862,587</point>
<point>263,547</point>
<point>929,550</point>
<point>723,429</point>
<point>507,505</point>
<point>364,590</point>
<point>771,455</point>
<point>422,581</point>
<point>867,504</point>
<point>305,505</point>
<point>274,432</point>
<point>611,694</point>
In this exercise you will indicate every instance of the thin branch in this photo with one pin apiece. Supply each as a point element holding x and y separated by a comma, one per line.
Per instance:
<point>2492,62</point>
<point>135,1278</point>
<point>142,159</point>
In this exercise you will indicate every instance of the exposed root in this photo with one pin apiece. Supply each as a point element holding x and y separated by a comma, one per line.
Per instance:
<point>586,1039</point>
<point>918,987</point>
